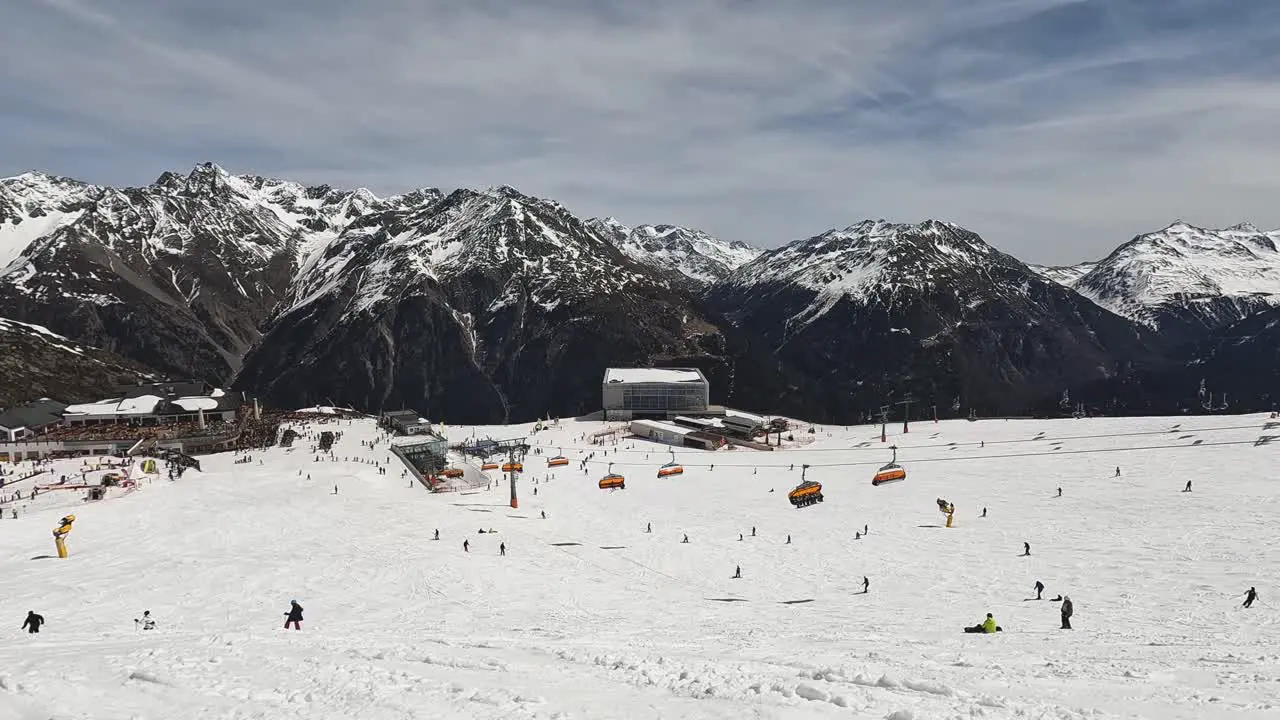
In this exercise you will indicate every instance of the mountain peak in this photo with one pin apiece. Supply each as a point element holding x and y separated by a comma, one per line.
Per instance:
<point>1246,226</point>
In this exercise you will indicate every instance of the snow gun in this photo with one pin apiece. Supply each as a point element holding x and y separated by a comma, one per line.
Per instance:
<point>947,509</point>
<point>60,534</point>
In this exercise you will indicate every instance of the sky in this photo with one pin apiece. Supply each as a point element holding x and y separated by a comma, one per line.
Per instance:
<point>1057,129</point>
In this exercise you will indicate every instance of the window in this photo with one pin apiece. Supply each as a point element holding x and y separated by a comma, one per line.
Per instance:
<point>664,397</point>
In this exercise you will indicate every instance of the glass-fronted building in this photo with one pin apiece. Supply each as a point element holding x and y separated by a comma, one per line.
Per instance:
<point>653,392</point>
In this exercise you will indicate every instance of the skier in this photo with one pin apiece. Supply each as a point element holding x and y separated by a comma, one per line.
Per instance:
<point>1059,492</point>
<point>294,616</point>
<point>146,622</point>
<point>1039,588</point>
<point>335,489</point>
<point>739,537</point>
<point>1188,487</point>
<point>648,527</point>
<point>33,622</point>
<point>737,572</point>
<point>1026,549</point>
<point>1067,609</point>
<point>984,512</point>
<point>986,626</point>
<point>1250,596</point>
<point>857,535</point>
<point>502,549</point>
<point>1117,471</point>
<point>437,535</point>
<point>466,546</point>
<point>788,539</point>
<point>865,531</point>
<point>753,531</point>
<point>866,585</point>
<point>685,541</point>
<point>544,514</point>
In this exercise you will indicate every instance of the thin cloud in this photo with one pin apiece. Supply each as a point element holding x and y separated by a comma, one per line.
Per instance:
<point>1056,128</point>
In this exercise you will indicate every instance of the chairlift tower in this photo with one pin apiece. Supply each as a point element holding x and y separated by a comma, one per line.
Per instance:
<point>906,413</point>
<point>511,459</point>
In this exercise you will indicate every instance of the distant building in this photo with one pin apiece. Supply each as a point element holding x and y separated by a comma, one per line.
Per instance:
<point>672,434</point>
<point>33,418</point>
<point>406,422</point>
<point>160,404</point>
<point>654,392</point>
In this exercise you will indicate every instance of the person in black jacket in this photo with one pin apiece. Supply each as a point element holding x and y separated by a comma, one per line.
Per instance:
<point>294,616</point>
<point>1067,609</point>
<point>33,622</point>
<point>1039,588</point>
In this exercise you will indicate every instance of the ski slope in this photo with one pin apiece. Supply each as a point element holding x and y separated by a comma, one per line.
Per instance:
<point>588,616</point>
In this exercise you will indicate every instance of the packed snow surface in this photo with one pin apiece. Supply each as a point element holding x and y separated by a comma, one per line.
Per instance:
<point>589,616</point>
<point>651,375</point>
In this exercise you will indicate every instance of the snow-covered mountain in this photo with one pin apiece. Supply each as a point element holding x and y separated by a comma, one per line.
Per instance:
<point>492,304</point>
<point>691,253</point>
<point>1184,280</point>
<point>35,362</point>
<point>177,275</point>
<point>852,317</point>
<point>1066,275</point>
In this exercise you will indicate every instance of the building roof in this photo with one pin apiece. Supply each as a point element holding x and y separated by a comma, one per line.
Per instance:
<point>141,405</point>
<point>743,418</point>
<point>168,389</point>
<point>33,414</point>
<point>653,375</point>
<point>663,426</point>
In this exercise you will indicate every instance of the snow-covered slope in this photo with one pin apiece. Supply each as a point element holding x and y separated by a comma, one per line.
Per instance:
<point>1185,278</point>
<point>589,616</point>
<point>1063,274</point>
<point>691,253</point>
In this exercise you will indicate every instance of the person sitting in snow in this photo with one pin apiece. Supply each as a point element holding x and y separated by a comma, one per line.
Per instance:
<point>986,626</point>
<point>146,622</point>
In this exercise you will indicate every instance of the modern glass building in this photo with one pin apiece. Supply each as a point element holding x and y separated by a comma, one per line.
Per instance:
<point>653,392</point>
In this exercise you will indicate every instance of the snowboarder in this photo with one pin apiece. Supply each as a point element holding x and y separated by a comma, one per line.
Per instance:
<point>1067,609</point>
<point>466,546</point>
<point>146,622</point>
<point>737,572</point>
<point>294,616</point>
<point>1026,549</point>
<point>33,622</point>
<point>1188,487</point>
<point>1039,588</point>
<point>986,626</point>
<point>866,585</point>
<point>857,535</point>
<point>1250,596</point>
<point>502,549</point>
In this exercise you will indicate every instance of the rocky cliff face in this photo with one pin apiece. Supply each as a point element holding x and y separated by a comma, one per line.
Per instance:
<point>679,252</point>
<point>36,363</point>
<point>840,323</point>
<point>477,307</point>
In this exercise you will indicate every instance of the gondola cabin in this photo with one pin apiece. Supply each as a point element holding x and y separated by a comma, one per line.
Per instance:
<point>613,481</point>
<point>512,467</point>
<point>557,461</point>
<point>670,469</point>
<point>489,466</point>
<point>451,472</point>
<point>805,494</point>
<point>888,474</point>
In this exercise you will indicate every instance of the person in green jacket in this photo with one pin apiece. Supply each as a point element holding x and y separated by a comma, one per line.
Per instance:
<point>986,626</point>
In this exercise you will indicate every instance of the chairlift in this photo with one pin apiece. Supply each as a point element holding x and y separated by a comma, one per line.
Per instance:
<point>807,492</point>
<point>613,481</point>
<point>490,466</point>
<point>512,467</point>
<point>892,472</point>
<point>671,468</point>
<point>558,461</point>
